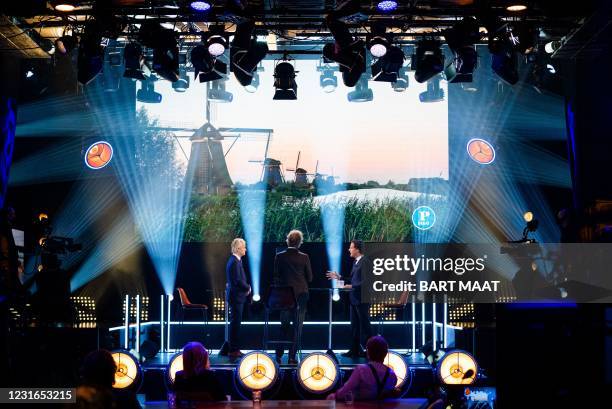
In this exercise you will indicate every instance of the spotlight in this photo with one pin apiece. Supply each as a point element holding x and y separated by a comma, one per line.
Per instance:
<point>64,6</point>
<point>216,45</point>
<point>387,68</point>
<point>284,81</point>
<point>481,151</point>
<point>129,372</point>
<point>530,227</point>
<point>396,362</point>
<point>43,217</point>
<point>428,60</point>
<point>200,6</point>
<point>362,92</point>
<point>135,63</point>
<point>165,49</point>
<point>91,54</point>
<point>528,216</point>
<point>257,371</point>
<point>252,87</point>
<point>318,373</point>
<point>401,84</point>
<point>256,297</point>
<point>217,93</point>
<point>378,43</point>
<point>65,44</point>
<point>386,6</point>
<point>461,39</point>
<point>347,51</point>
<point>336,297</point>
<point>434,93</point>
<point>328,80</point>
<point>205,66</point>
<point>174,365</point>
<point>552,46</point>
<point>183,82</point>
<point>504,61</point>
<point>457,368</point>
<point>516,7</point>
<point>147,93</point>
<point>246,52</point>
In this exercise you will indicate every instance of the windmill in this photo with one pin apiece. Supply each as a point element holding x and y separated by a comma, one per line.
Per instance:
<point>301,175</point>
<point>271,172</point>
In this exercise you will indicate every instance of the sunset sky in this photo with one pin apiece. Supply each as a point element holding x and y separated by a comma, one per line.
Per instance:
<point>395,136</point>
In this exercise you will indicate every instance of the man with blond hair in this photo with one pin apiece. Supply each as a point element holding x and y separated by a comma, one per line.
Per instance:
<point>292,269</point>
<point>238,289</point>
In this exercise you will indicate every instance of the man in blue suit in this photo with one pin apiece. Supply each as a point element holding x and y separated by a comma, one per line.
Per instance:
<point>360,315</point>
<point>238,290</point>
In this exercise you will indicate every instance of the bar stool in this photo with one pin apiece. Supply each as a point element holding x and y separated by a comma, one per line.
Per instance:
<point>399,306</point>
<point>187,305</point>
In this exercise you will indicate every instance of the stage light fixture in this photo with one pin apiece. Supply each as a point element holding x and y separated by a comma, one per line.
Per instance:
<point>174,365</point>
<point>183,82</point>
<point>386,68</point>
<point>318,373</point>
<point>428,61</point>
<point>361,93</point>
<point>257,371</point>
<point>200,6</point>
<point>147,93</point>
<point>552,46</point>
<point>504,60</point>
<point>457,368</point>
<point>98,155</point>
<point>516,7</point>
<point>254,85</point>
<point>65,44</point>
<point>246,52</point>
<point>481,151</point>
<point>347,51</point>
<point>129,373</point>
<point>64,6</point>
<point>216,45</point>
<point>217,92</point>
<point>397,363</point>
<point>284,81</point>
<point>336,297</point>
<point>434,92</point>
<point>402,82</point>
<point>206,68</point>
<point>461,39</point>
<point>135,64</point>
<point>386,6</point>
<point>91,53</point>
<point>528,216</point>
<point>165,49</point>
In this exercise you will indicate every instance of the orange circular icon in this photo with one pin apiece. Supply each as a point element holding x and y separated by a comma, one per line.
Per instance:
<point>481,151</point>
<point>98,155</point>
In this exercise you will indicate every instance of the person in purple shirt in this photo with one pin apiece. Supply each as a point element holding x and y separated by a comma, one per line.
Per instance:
<point>371,381</point>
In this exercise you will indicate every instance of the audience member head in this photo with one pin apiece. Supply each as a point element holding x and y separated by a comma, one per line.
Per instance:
<point>99,369</point>
<point>295,238</point>
<point>195,359</point>
<point>377,348</point>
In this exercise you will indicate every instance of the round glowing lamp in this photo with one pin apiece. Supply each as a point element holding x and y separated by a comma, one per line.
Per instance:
<point>386,6</point>
<point>528,216</point>
<point>64,6</point>
<point>257,371</point>
<point>200,6</point>
<point>257,297</point>
<point>318,373</point>
<point>396,362</point>
<point>174,365</point>
<point>129,373</point>
<point>457,368</point>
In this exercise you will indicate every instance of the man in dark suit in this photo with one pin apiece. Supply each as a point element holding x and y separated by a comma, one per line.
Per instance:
<point>238,290</point>
<point>360,315</point>
<point>292,268</point>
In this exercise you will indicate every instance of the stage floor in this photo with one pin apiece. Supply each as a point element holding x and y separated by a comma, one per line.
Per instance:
<point>222,362</point>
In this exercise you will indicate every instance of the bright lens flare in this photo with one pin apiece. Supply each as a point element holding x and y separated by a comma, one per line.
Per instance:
<point>395,361</point>
<point>98,155</point>
<point>127,370</point>
<point>317,373</point>
<point>257,371</point>
<point>457,368</point>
